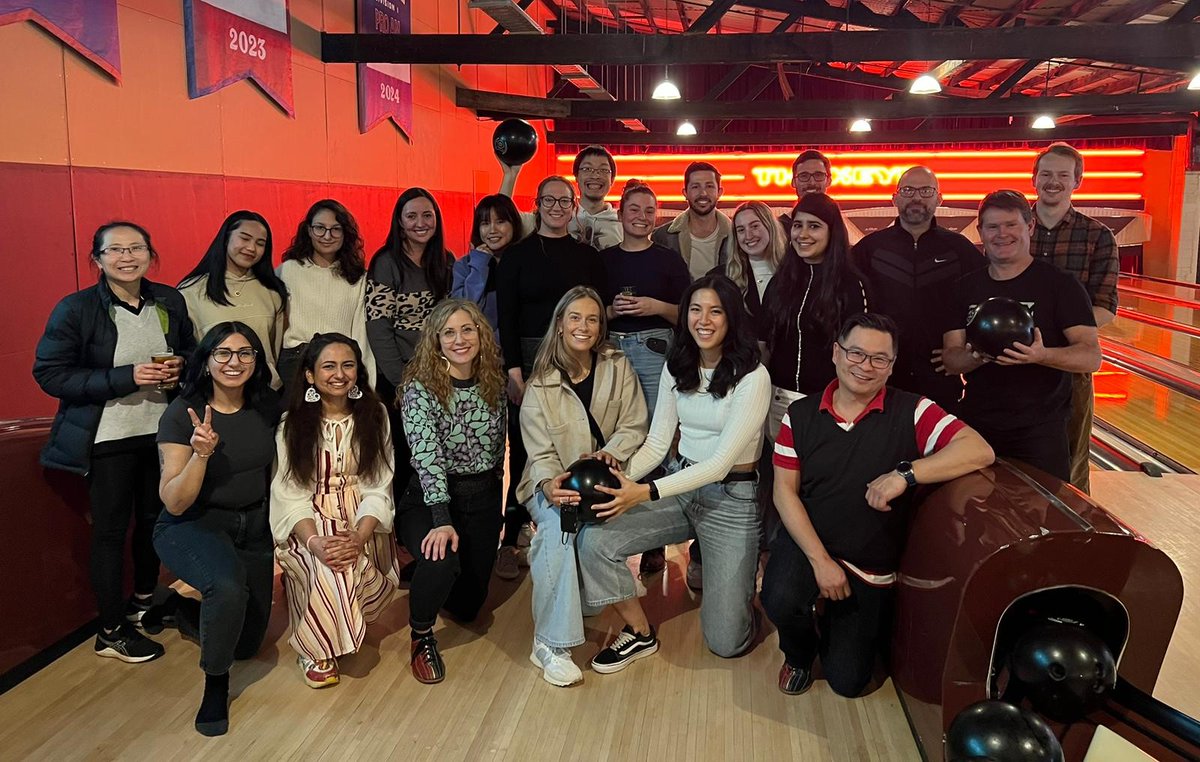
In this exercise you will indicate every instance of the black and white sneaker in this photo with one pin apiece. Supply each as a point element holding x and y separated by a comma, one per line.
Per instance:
<point>627,648</point>
<point>128,645</point>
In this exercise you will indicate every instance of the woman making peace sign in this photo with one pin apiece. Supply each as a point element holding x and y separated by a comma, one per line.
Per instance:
<point>216,443</point>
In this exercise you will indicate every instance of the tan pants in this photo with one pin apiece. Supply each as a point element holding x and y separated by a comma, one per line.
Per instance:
<point>1079,429</point>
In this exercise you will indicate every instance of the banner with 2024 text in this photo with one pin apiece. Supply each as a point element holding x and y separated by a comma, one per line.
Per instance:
<point>88,26</point>
<point>384,90</point>
<point>232,40</point>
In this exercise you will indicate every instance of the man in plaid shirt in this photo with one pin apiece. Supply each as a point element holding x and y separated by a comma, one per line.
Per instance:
<point>1086,249</point>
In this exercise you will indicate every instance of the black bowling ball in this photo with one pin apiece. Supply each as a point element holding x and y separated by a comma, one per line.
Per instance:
<point>996,731</point>
<point>515,142</point>
<point>997,324</point>
<point>585,475</point>
<point>1063,669</point>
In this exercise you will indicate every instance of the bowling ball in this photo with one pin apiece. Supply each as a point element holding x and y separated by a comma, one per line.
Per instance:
<point>585,475</point>
<point>1063,668</point>
<point>997,324</point>
<point>996,731</point>
<point>515,142</point>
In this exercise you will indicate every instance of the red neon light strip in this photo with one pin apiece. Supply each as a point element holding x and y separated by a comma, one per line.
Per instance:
<point>791,198</point>
<point>1108,152</point>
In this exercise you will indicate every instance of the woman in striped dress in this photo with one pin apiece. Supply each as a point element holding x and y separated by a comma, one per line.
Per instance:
<point>331,507</point>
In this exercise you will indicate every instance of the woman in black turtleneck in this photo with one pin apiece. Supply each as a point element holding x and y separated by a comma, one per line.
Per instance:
<point>812,294</point>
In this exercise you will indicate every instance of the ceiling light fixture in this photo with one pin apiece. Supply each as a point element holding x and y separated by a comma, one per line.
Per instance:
<point>1044,122</point>
<point>925,85</point>
<point>1195,83</point>
<point>666,90</point>
<point>685,129</point>
<point>860,125</point>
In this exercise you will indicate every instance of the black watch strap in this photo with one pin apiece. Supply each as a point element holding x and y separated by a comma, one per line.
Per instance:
<point>905,469</point>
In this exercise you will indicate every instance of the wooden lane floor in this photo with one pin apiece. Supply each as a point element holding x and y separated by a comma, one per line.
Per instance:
<point>682,703</point>
<point>1164,511</point>
<point>1165,419</point>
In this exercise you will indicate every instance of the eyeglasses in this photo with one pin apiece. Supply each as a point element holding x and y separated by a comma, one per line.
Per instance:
<point>597,171</point>
<point>806,176</point>
<point>908,191</point>
<point>548,202</point>
<point>137,248</point>
<point>223,355</point>
<point>856,357</point>
<point>320,231</point>
<point>467,332</point>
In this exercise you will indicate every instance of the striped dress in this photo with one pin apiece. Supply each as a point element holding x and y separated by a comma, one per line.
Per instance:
<point>329,611</point>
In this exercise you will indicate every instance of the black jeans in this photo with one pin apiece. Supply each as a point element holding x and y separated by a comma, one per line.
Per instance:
<point>404,470</point>
<point>1043,446</point>
<point>228,556</point>
<point>515,514</point>
<point>122,484</point>
<point>459,582</point>
<point>851,631</point>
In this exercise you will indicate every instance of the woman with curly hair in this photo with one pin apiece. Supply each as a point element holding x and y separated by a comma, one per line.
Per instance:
<point>331,507</point>
<point>450,514</point>
<point>325,275</point>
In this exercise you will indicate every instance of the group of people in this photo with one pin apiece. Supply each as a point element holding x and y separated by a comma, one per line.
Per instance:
<point>753,382</point>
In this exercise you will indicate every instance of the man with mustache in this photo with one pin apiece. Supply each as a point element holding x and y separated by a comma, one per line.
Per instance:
<point>909,267</point>
<point>595,222</point>
<point>1086,249</point>
<point>701,234</point>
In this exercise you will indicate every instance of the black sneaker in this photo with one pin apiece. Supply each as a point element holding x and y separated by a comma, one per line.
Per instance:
<point>628,647</point>
<point>136,608</point>
<point>161,615</point>
<point>128,645</point>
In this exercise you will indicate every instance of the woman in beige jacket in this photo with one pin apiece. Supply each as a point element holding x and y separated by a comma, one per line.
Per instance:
<point>576,372</point>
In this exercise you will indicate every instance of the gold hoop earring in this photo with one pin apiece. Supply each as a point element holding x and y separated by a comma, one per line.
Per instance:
<point>447,361</point>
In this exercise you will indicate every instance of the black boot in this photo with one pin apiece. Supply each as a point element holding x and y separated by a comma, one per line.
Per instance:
<point>213,717</point>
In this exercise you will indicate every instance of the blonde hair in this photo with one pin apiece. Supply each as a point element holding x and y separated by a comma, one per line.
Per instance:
<point>738,268</point>
<point>432,369</point>
<point>553,354</point>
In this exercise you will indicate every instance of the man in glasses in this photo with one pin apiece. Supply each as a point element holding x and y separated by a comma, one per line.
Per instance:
<point>846,463</point>
<point>812,172</point>
<point>595,222</point>
<point>910,266</point>
<point>1020,400</point>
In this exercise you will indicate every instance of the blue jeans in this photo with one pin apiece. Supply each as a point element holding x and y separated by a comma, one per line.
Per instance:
<point>553,567</point>
<point>646,362</point>
<point>228,556</point>
<point>724,520</point>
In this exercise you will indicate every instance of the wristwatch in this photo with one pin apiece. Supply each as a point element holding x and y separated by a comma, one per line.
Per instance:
<point>905,469</point>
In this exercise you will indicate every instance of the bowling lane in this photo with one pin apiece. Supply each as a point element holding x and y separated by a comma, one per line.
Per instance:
<point>1159,287</point>
<point>1161,418</point>
<point>1176,346</point>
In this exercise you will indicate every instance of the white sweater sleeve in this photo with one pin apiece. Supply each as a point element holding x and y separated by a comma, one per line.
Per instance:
<point>751,399</point>
<point>291,502</point>
<point>376,493</point>
<point>662,430</point>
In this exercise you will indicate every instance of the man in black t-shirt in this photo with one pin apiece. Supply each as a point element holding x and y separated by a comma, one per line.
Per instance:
<point>1020,400</point>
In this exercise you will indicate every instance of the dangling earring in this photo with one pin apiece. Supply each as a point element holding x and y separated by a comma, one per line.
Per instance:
<point>355,393</point>
<point>447,361</point>
<point>312,395</point>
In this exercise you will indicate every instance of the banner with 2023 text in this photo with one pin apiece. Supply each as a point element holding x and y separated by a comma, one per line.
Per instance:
<point>88,26</point>
<point>232,40</point>
<point>384,90</point>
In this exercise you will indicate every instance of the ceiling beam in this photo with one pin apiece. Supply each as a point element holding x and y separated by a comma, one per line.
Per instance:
<point>856,14</point>
<point>898,108</point>
<point>735,72</point>
<point>712,14</point>
<point>1014,79</point>
<point>1189,11</point>
<point>1133,44</point>
<point>842,137</point>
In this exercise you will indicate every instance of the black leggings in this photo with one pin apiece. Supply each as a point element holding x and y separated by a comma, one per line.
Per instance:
<point>459,582</point>
<point>852,631</point>
<point>515,514</point>
<point>122,485</point>
<point>404,470</point>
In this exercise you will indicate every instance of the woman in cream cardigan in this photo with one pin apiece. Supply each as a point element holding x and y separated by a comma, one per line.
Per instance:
<point>576,372</point>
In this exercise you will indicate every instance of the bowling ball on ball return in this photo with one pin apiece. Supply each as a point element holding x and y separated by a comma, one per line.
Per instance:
<point>515,142</point>
<point>996,731</point>
<point>585,475</point>
<point>997,324</point>
<point>1063,669</point>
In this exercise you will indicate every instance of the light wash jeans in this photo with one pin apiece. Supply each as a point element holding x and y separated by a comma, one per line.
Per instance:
<point>647,363</point>
<point>553,568</point>
<point>723,518</point>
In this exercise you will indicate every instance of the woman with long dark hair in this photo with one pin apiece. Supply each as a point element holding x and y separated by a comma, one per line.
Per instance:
<point>325,274</point>
<point>715,395</point>
<point>408,275</point>
<point>578,377</point>
<point>102,355</point>
<point>450,515</point>
<point>815,289</point>
<point>331,507</point>
<point>216,445</point>
<point>234,280</point>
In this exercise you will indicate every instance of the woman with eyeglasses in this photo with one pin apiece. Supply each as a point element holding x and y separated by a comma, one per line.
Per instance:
<point>331,508</point>
<point>450,515</point>
<point>407,277</point>
<point>216,445</point>
<point>111,353</point>
<point>324,272</point>
<point>234,281</point>
<point>815,289</point>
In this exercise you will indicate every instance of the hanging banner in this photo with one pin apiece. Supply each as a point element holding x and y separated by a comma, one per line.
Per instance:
<point>88,26</point>
<point>232,40</point>
<point>384,90</point>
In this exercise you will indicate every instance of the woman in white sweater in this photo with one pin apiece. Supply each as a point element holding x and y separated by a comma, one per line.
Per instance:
<point>715,393</point>
<point>325,273</point>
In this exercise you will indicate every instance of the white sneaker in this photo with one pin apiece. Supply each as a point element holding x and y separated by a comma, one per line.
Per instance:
<point>556,665</point>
